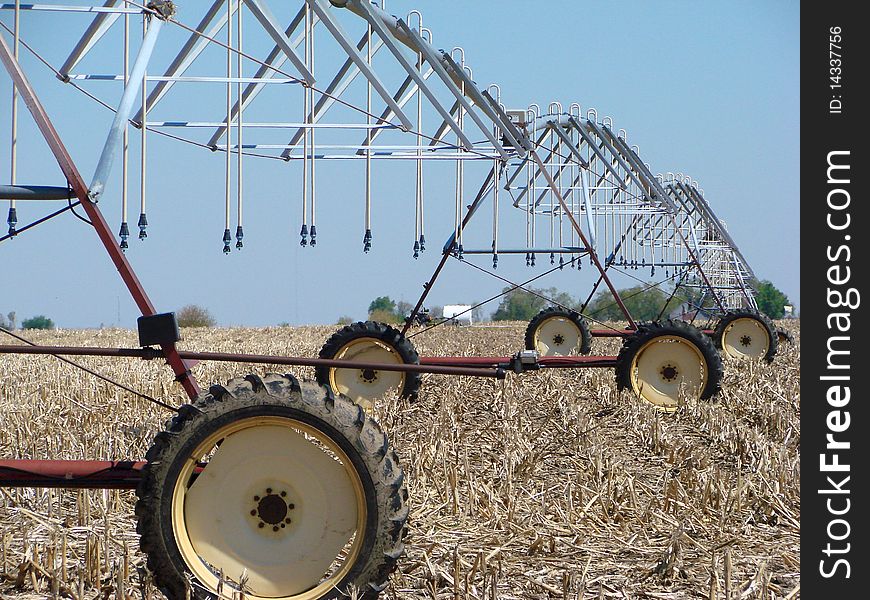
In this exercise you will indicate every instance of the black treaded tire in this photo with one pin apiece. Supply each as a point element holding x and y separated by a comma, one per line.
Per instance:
<point>280,397</point>
<point>636,341</point>
<point>783,336</point>
<point>732,315</point>
<point>555,311</point>
<point>382,333</point>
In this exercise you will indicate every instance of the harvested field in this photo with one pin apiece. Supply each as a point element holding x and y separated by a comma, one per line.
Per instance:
<point>545,485</point>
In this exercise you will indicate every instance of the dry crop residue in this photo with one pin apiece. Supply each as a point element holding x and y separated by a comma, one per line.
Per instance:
<point>546,485</point>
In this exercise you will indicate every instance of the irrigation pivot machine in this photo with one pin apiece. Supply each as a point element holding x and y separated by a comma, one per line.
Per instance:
<point>281,488</point>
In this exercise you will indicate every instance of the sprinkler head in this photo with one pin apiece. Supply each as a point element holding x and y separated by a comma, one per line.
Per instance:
<point>142,224</point>
<point>12,220</point>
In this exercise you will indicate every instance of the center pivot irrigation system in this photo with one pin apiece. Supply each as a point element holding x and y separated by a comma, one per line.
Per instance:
<point>286,488</point>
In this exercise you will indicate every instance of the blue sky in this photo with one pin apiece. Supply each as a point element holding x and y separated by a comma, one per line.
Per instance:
<point>710,89</point>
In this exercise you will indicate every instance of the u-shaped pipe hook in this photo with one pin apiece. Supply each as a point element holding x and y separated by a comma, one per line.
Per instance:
<point>419,16</point>
<point>592,115</point>
<point>495,91</point>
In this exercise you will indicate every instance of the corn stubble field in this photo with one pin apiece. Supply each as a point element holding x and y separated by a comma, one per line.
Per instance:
<point>546,485</point>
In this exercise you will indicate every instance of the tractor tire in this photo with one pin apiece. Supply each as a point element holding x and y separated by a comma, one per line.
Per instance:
<point>665,361</point>
<point>783,336</point>
<point>746,335</point>
<point>271,489</point>
<point>374,342</point>
<point>558,332</point>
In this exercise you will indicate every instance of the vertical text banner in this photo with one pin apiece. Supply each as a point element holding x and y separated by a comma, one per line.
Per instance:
<point>835,344</point>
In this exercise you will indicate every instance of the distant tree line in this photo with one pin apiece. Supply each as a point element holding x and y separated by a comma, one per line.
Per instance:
<point>10,323</point>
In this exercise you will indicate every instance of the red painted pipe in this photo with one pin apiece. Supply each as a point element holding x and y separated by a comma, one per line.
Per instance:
<point>89,474</point>
<point>150,353</point>
<point>610,333</point>
<point>551,362</point>
<point>614,333</point>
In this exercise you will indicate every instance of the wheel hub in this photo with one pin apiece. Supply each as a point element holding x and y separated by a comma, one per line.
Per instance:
<point>557,336</point>
<point>669,372</point>
<point>746,338</point>
<point>668,367</point>
<point>368,375</point>
<point>364,385</point>
<point>271,510</point>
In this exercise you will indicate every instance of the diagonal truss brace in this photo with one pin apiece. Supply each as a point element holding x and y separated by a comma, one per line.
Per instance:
<point>267,20</point>
<point>341,37</point>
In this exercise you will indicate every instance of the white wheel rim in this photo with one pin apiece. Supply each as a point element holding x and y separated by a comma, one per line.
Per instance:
<point>557,336</point>
<point>366,385</point>
<point>219,526</point>
<point>746,339</point>
<point>667,368</point>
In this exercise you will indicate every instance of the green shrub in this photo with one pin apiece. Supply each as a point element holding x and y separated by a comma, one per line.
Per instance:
<point>37,322</point>
<point>194,316</point>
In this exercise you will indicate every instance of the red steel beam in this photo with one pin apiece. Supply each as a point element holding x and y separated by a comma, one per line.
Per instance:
<point>75,181</point>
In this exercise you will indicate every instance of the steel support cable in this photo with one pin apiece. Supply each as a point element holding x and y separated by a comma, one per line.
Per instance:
<point>641,291</point>
<point>95,374</point>
<point>532,292</point>
<point>515,287</point>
